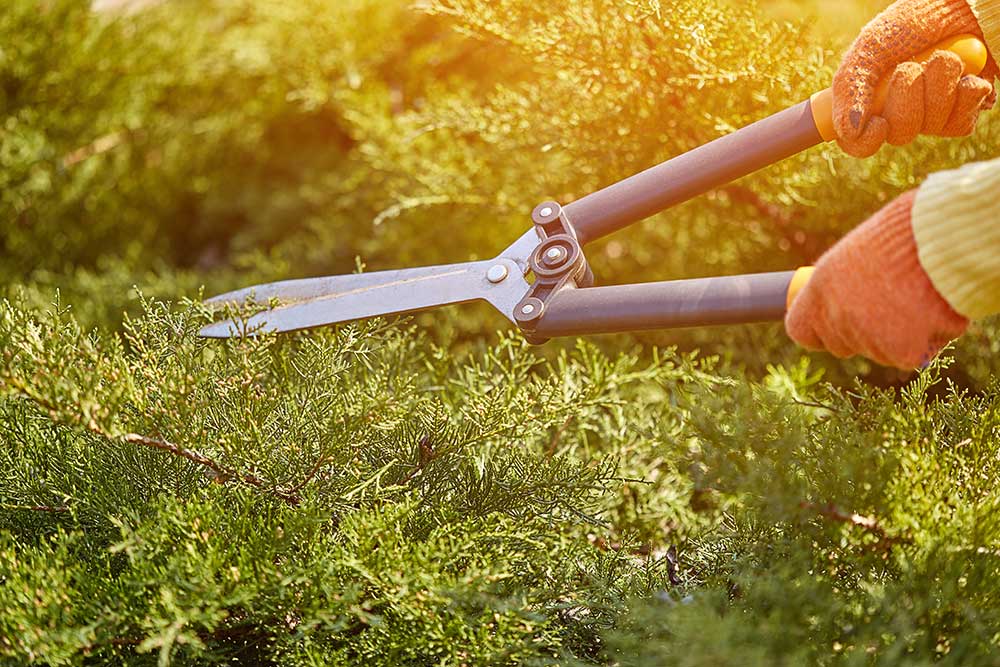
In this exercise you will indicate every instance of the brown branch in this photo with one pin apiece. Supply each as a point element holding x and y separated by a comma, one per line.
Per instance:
<point>55,509</point>
<point>103,144</point>
<point>425,454</point>
<point>222,474</point>
<point>309,475</point>
<point>550,450</point>
<point>807,247</point>
<point>867,523</point>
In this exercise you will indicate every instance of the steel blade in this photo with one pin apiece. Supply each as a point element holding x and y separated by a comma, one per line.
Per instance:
<point>316,302</point>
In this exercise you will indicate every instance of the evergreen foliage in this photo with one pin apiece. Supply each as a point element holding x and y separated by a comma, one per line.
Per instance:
<point>426,492</point>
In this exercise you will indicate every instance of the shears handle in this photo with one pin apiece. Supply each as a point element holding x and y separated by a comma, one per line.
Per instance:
<point>728,158</point>
<point>676,304</point>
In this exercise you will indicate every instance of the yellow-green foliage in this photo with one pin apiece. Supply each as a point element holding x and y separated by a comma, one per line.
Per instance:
<point>429,492</point>
<point>838,20</point>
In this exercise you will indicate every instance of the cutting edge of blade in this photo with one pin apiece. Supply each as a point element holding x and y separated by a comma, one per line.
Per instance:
<point>299,289</point>
<point>503,297</point>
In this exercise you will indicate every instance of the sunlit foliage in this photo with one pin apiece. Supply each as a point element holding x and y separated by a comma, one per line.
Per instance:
<point>430,492</point>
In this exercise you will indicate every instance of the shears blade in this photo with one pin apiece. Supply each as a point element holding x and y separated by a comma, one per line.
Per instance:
<point>313,302</point>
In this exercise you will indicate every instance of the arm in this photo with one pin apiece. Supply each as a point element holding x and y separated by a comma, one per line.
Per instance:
<point>870,296</point>
<point>956,216</point>
<point>908,280</point>
<point>987,13</point>
<point>956,226</point>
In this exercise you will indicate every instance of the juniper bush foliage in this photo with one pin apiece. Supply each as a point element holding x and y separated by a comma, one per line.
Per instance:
<point>425,491</point>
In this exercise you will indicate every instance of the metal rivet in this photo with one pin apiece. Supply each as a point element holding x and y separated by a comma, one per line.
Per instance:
<point>497,273</point>
<point>528,309</point>
<point>546,212</point>
<point>554,253</point>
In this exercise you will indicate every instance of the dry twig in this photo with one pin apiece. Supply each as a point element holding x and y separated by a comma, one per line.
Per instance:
<point>868,523</point>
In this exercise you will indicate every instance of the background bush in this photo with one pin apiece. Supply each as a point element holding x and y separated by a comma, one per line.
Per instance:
<point>429,491</point>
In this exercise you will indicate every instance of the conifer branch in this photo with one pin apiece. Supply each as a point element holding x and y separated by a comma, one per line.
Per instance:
<point>815,404</point>
<point>426,454</point>
<point>550,450</point>
<point>241,632</point>
<point>309,476</point>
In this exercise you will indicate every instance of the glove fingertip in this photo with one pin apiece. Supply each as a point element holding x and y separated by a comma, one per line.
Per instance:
<point>870,141</point>
<point>920,355</point>
<point>905,109</point>
<point>975,83</point>
<point>857,119</point>
<point>989,101</point>
<point>945,58</point>
<point>851,101</point>
<point>973,92</point>
<point>799,325</point>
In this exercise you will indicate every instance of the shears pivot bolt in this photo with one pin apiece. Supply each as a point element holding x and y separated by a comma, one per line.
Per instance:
<point>529,311</point>
<point>497,273</point>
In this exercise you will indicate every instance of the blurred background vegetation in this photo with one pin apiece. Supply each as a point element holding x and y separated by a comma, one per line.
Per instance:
<point>186,147</point>
<point>225,143</point>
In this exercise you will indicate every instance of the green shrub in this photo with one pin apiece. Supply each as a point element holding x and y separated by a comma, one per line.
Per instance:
<point>359,494</point>
<point>429,492</point>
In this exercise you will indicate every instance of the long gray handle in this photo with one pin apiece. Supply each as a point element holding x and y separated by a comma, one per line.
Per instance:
<point>676,304</point>
<point>724,160</point>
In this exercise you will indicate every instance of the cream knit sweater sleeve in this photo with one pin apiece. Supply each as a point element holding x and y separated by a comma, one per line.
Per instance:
<point>956,217</point>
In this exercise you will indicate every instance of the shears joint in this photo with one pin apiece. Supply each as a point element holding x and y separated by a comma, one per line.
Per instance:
<point>558,263</point>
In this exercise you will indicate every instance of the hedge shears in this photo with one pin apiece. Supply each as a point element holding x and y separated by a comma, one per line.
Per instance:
<point>562,299</point>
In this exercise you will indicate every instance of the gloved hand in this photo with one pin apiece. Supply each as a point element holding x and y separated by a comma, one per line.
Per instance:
<point>870,296</point>
<point>931,98</point>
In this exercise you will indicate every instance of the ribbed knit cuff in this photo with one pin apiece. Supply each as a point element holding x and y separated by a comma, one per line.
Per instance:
<point>988,14</point>
<point>956,223</point>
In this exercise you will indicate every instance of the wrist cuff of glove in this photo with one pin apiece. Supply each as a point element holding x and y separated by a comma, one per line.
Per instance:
<point>958,236</point>
<point>887,238</point>
<point>883,249</point>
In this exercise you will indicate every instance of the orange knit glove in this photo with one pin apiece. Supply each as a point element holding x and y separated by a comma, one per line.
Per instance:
<point>931,98</point>
<point>870,296</point>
